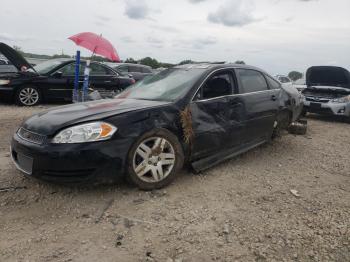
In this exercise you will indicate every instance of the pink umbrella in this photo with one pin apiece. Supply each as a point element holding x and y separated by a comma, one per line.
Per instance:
<point>96,44</point>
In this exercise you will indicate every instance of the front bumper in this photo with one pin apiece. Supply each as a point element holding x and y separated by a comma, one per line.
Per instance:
<point>330,108</point>
<point>6,93</point>
<point>71,163</point>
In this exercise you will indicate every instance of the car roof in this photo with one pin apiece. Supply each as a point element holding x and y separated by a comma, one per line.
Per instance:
<point>130,64</point>
<point>214,66</point>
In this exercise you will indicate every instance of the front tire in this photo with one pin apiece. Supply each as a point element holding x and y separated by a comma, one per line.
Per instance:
<point>154,160</point>
<point>28,96</point>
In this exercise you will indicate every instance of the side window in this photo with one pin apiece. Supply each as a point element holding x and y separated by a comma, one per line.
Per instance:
<point>251,81</point>
<point>69,70</point>
<point>123,68</point>
<point>146,70</point>
<point>273,83</point>
<point>97,70</point>
<point>218,85</point>
<point>135,69</point>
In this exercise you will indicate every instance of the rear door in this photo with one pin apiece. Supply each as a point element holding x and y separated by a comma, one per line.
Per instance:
<point>260,104</point>
<point>211,115</point>
<point>136,72</point>
<point>102,78</point>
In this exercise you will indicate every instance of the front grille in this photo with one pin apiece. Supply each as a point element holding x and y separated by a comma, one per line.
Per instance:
<point>31,136</point>
<point>321,110</point>
<point>317,99</point>
<point>73,176</point>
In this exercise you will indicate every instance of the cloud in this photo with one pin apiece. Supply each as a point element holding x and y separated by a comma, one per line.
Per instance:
<point>233,13</point>
<point>194,45</point>
<point>103,18</point>
<point>168,29</point>
<point>127,39</point>
<point>196,1</point>
<point>136,9</point>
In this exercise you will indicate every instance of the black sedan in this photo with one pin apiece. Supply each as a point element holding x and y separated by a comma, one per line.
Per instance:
<point>199,114</point>
<point>53,80</point>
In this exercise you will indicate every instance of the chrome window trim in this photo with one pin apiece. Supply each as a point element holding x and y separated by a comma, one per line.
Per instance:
<point>233,95</point>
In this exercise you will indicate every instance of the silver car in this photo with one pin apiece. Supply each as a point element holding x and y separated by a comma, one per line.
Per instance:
<point>327,91</point>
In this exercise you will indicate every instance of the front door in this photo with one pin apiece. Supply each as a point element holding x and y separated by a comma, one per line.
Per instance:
<point>61,83</point>
<point>102,78</point>
<point>212,115</point>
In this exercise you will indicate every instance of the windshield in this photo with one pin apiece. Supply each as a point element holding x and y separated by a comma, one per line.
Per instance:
<point>47,66</point>
<point>167,85</point>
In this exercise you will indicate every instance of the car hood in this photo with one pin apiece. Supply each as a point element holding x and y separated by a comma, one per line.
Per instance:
<point>328,76</point>
<point>14,57</point>
<point>52,120</point>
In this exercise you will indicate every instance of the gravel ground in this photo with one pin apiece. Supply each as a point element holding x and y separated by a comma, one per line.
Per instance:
<point>241,210</point>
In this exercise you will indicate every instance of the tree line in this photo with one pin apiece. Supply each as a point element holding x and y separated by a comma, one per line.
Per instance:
<point>149,61</point>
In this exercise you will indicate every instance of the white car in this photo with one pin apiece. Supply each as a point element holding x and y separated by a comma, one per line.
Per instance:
<point>284,80</point>
<point>328,91</point>
<point>300,84</point>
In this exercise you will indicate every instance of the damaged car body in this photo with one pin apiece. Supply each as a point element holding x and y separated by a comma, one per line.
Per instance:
<point>198,114</point>
<point>53,80</point>
<point>328,91</point>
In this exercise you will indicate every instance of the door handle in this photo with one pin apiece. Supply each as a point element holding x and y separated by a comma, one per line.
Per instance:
<point>273,98</point>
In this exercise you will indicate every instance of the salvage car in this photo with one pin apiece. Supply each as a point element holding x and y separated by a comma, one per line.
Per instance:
<point>53,80</point>
<point>284,80</point>
<point>300,84</point>
<point>197,114</point>
<point>327,91</point>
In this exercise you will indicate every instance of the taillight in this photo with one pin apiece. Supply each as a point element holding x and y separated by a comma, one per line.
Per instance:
<point>133,81</point>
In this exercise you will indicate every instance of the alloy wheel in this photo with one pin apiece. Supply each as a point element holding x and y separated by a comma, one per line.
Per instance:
<point>29,96</point>
<point>154,159</point>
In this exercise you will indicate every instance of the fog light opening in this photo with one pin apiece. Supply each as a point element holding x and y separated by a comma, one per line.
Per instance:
<point>341,111</point>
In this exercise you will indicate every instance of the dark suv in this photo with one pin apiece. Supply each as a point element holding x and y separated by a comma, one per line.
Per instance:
<point>136,71</point>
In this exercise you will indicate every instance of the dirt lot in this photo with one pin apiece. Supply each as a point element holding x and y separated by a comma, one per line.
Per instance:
<point>241,210</point>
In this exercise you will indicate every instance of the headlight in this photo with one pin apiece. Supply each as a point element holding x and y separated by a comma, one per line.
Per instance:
<point>345,99</point>
<point>4,82</point>
<point>91,132</point>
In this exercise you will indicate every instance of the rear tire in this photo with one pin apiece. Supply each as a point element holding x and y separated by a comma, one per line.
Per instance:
<point>28,96</point>
<point>154,160</point>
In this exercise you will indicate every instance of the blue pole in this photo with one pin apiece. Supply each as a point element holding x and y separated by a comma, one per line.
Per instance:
<point>76,77</point>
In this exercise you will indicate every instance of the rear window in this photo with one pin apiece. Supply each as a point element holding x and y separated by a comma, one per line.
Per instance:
<point>146,70</point>
<point>135,69</point>
<point>251,81</point>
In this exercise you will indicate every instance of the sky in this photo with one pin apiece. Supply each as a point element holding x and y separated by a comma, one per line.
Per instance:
<point>276,35</point>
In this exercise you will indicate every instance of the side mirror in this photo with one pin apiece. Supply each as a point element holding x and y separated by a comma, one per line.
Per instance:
<point>57,74</point>
<point>130,75</point>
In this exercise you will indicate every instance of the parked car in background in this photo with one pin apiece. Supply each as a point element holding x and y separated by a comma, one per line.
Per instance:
<point>328,91</point>
<point>284,80</point>
<point>136,71</point>
<point>300,84</point>
<point>202,114</point>
<point>53,80</point>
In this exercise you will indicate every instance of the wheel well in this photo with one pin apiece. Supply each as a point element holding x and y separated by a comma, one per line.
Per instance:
<point>16,90</point>
<point>284,118</point>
